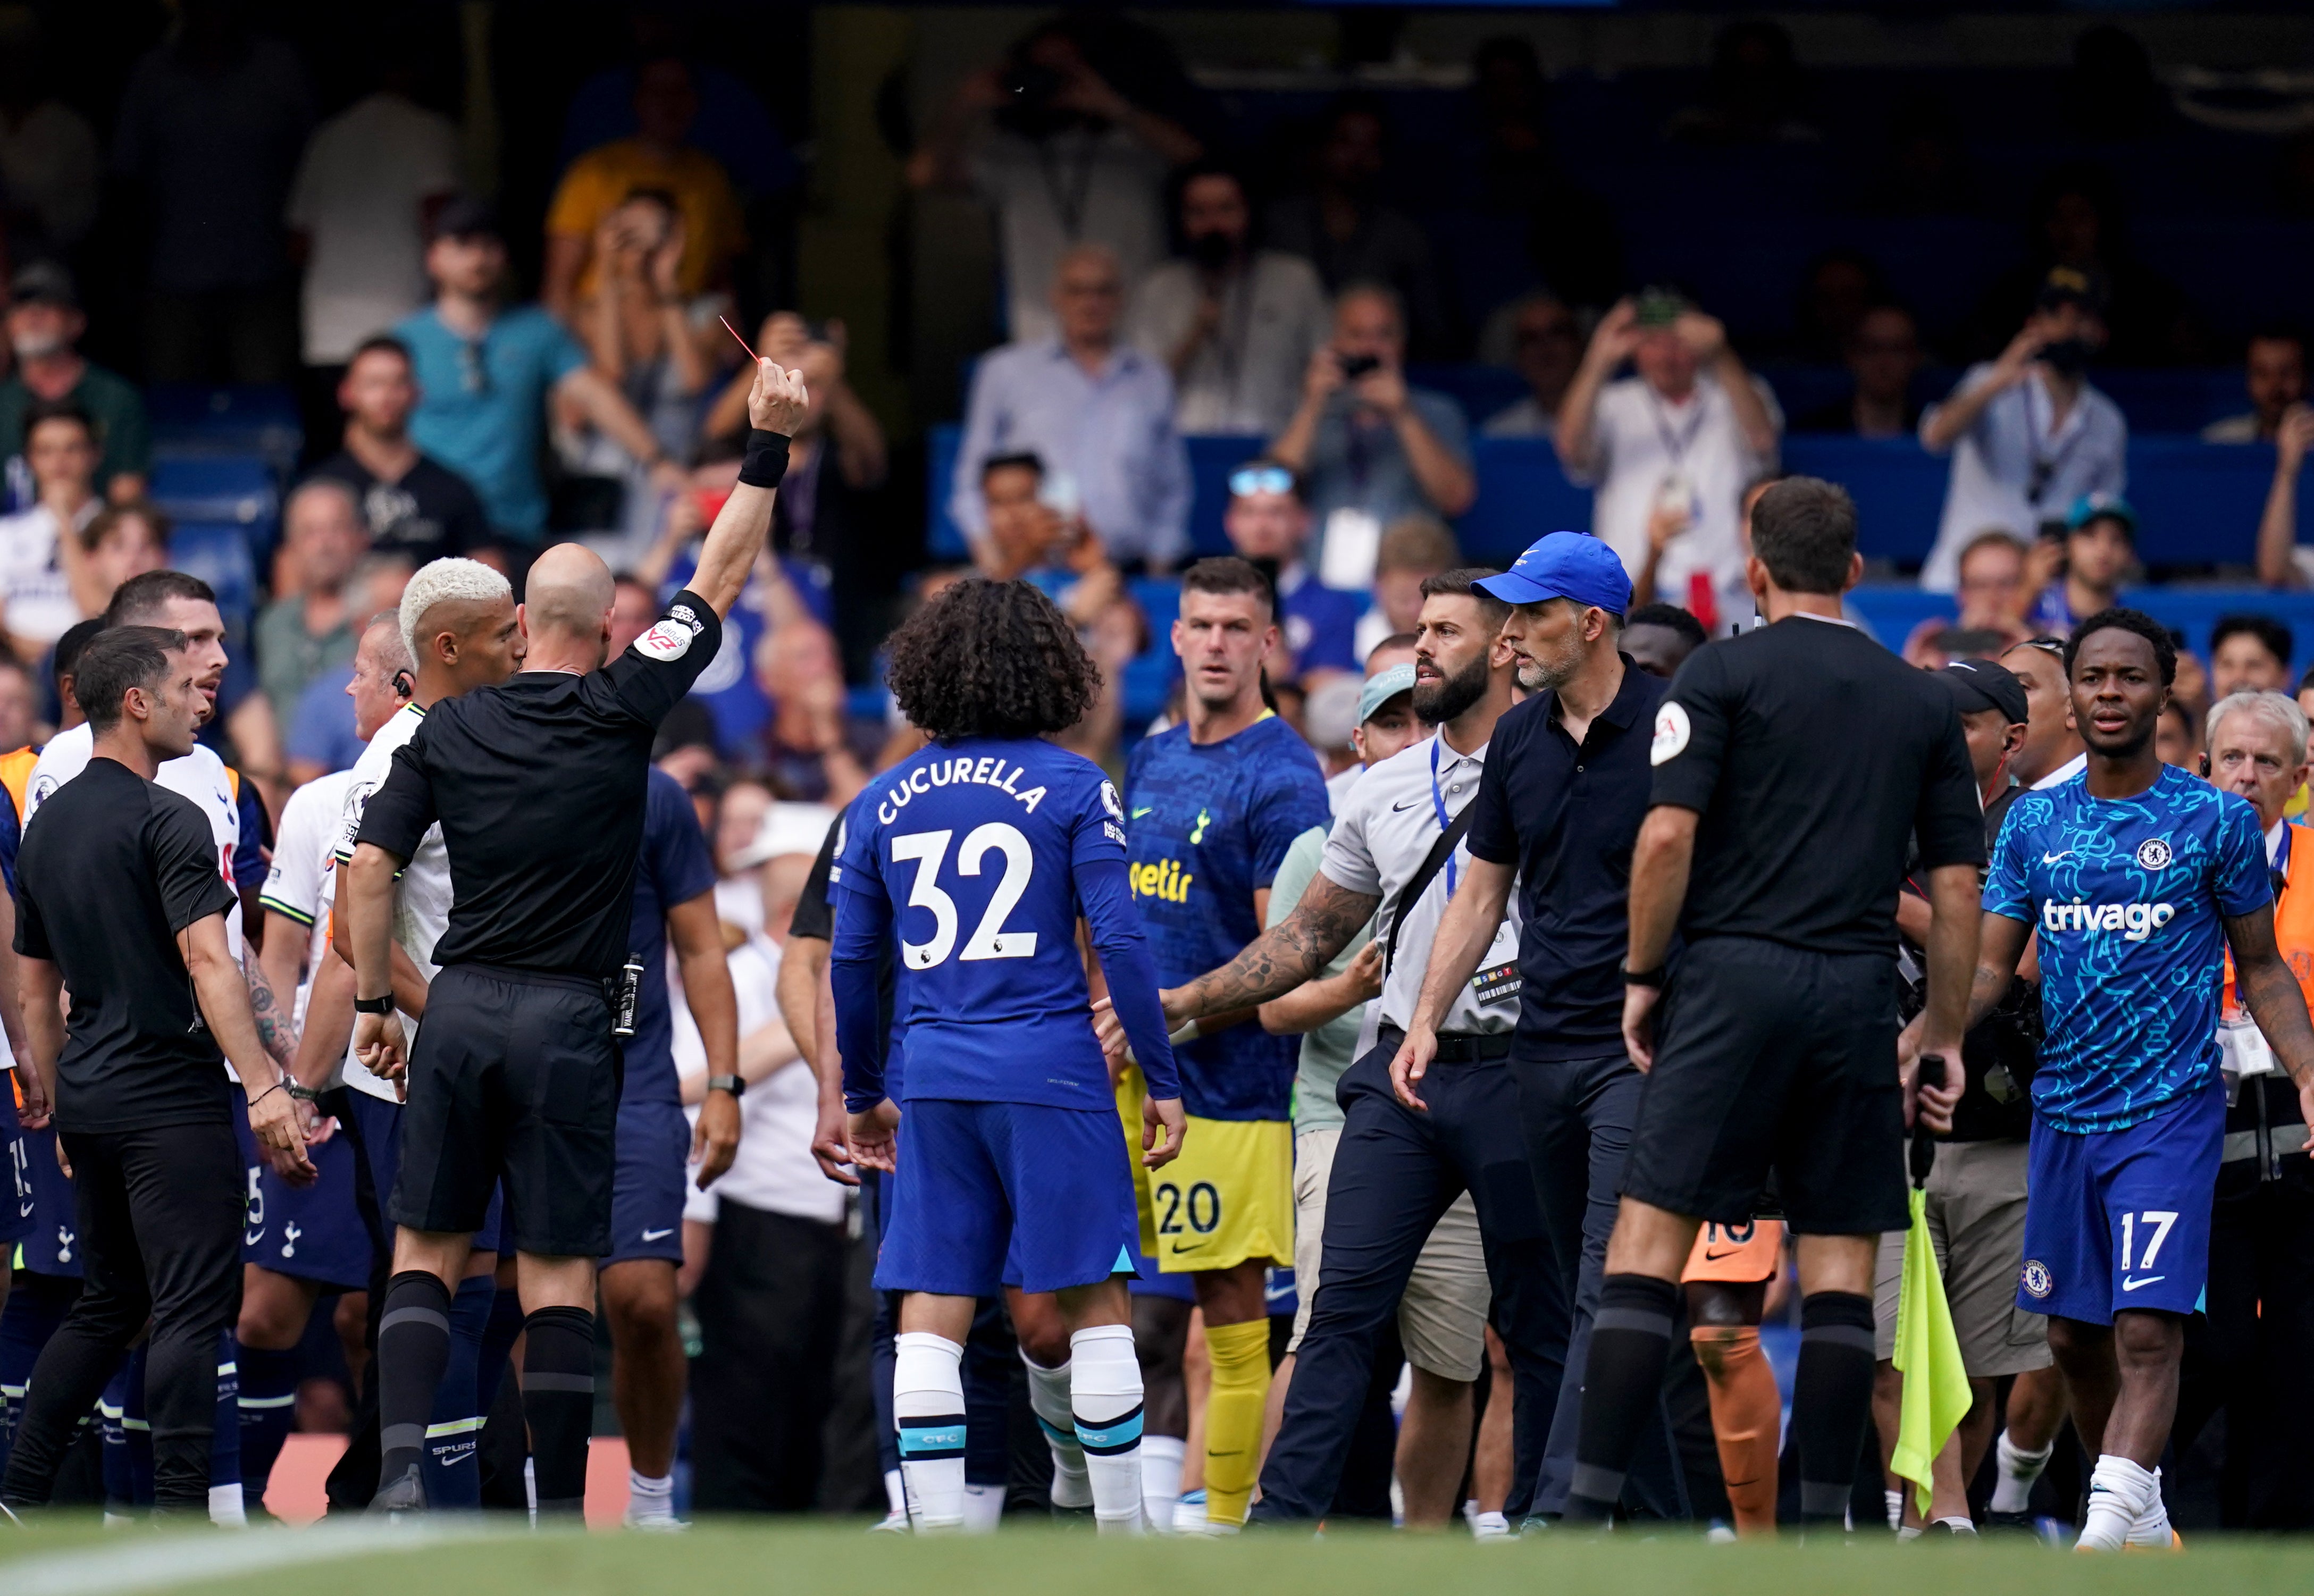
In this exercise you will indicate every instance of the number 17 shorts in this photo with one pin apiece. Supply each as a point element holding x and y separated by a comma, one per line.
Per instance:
<point>2118,1220</point>
<point>1005,1194</point>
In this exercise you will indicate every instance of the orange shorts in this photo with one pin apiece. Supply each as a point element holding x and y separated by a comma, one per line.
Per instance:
<point>1737,1255</point>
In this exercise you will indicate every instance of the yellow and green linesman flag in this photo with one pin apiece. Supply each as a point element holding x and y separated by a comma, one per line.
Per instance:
<point>1927,1354</point>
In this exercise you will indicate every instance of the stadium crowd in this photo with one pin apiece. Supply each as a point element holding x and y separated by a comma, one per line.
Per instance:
<point>1261,714</point>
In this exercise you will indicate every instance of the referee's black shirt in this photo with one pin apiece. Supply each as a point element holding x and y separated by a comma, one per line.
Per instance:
<point>113,866</point>
<point>1813,755</point>
<point>1567,817</point>
<point>540,786</point>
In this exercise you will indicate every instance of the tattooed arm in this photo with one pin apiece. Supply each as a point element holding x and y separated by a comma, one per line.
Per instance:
<point>1282,958</point>
<point>275,1032</point>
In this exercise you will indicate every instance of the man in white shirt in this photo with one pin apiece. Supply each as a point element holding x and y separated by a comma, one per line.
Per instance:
<point>2273,377</point>
<point>2027,434</point>
<point>457,622</point>
<point>40,547</point>
<point>1236,325</point>
<point>356,213</point>
<point>764,1248</point>
<point>1671,449</point>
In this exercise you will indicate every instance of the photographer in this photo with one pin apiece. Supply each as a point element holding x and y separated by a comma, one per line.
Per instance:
<point>1063,155</point>
<point>1371,448</point>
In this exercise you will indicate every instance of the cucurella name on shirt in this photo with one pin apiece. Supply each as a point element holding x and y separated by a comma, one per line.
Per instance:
<point>987,770</point>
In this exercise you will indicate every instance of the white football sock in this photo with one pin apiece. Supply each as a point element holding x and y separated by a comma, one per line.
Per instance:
<point>2012,1490</point>
<point>650,1500</point>
<point>1105,1400</point>
<point>1161,1478</point>
<point>983,1505</point>
<point>2120,1491</point>
<point>1048,1395</point>
<point>1895,1501</point>
<point>895,1494</point>
<point>227,1509</point>
<point>928,1409</point>
<point>2152,1528</point>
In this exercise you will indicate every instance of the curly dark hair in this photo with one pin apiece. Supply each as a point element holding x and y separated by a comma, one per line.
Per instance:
<point>2120,619</point>
<point>991,660</point>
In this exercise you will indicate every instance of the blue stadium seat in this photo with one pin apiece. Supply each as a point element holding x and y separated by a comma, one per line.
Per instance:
<point>195,419</point>
<point>218,553</point>
<point>240,489</point>
<point>1895,609</point>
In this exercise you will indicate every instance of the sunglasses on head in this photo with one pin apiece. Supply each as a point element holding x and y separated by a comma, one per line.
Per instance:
<point>1248,480</point>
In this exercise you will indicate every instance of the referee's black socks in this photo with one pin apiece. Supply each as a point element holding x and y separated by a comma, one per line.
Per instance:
<point>413,1349</point>
<point>1832,1396</point>
<point>558,1400</point>
<point>1622,1389</point>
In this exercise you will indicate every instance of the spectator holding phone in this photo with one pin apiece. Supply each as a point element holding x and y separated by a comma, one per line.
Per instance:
<point>1671,449</point>
<point>1370,447</point>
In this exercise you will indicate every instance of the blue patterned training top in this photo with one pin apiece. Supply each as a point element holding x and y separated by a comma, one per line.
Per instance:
<point>2130,899</point>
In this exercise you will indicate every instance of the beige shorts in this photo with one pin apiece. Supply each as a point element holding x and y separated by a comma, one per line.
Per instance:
<point>1976,1219</point>
<point>1442,1319</point>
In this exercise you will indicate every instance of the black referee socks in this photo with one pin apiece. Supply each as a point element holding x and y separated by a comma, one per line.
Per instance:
<point>765,460</point>
<point>1622,1389</point>
<point>558,1399</point>
<point>413,1349</point>
<point>1832,1396</point>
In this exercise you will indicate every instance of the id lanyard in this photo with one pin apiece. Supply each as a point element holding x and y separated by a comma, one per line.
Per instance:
<point>1438,803</point>
<point>2045,464</point>
<point>2280,866</point>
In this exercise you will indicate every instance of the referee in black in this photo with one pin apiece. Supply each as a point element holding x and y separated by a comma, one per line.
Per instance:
<point>120,897</point>
<point>1792,765</point>
<point>539,786</point>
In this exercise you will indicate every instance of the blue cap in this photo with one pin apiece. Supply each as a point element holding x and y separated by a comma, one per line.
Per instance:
<point>1565,565</point>
<point>1380,688</point>
<point>2090,507</point>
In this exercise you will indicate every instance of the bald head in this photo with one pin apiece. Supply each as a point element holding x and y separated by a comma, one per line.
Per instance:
<point>566,609</point>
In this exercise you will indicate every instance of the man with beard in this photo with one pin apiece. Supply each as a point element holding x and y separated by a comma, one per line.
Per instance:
<point>1398,846</point>
<point>1557,812</point>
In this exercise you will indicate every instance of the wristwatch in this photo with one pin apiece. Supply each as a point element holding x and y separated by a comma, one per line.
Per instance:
<point>384,1005</point>
<point>734,1084</point>
<point>303,1094</point>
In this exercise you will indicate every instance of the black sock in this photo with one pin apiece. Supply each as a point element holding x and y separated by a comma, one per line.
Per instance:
<point>558,1399</point>
<point>1832,1396</point>
<point>1623,1384</point>
<point>413,1348</point>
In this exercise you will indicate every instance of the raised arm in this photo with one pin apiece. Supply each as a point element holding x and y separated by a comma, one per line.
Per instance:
<point>776,405</point>
<point>2272,994</point>
<point>1943,426</point>
<point>2277,528</point>
<point>1612,343</point>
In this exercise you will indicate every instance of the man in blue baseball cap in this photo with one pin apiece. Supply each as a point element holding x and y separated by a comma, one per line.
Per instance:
<point>1565,788</point>
<point>2100,547</point>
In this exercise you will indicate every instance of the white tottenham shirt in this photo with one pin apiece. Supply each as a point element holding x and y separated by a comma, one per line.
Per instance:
<point>774,1172</point>
<point>421,892</point>
<point>200,776</point>
<point>302,884</point>
<point>1384,827</point>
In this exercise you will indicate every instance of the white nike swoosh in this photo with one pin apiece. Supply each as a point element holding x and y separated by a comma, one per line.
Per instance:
<point>2050,858</point>
<point>657,1235</point>
<point>2128,1284</point>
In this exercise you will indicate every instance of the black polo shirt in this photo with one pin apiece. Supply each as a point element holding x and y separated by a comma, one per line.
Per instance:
<point>540,785</point>
<point>1813,757</point>
<point>1567,817</point>
<point>113,866</point>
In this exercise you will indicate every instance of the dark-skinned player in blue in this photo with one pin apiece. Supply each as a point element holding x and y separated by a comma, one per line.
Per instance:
<point>980,855</point>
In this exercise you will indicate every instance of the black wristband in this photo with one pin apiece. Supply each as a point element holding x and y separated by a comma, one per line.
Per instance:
<point>384,1005</point>
<point>1653,977</point>
<point>766,459</point>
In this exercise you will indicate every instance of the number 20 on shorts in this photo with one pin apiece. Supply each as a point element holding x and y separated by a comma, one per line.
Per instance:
<point>1199,1210</point>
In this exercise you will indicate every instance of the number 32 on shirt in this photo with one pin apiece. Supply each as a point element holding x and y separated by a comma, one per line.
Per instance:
<point>989,938</point>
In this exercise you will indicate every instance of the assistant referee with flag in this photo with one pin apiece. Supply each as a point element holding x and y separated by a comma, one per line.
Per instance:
<point>1791,765</point>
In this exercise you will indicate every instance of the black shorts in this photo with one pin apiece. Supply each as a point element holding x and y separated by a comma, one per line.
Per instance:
<point>512,1074</point>
<point>1771,1058</point>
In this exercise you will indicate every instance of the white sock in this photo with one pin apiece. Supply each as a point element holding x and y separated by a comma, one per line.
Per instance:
<point>1895,1501</point>
<point>1161,1478</point>
<point>1489,1526</point>
<point>650,1498</point>
<point>530,1489</point>
<point>1960,1525</point>
<point>2012,1492</point>
<point>2152,1528</point>
<point>2120,1491</point>
<point>1105,1401</point>
<point>895,1494</point>
<point>226,1511</point>
<point>1048,1395</point>
<point>983,1505</point>
<point>927,1407</point>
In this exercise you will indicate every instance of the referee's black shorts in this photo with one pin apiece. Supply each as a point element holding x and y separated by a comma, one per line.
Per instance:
<point>513,1072</point>
<point>1768,1057</point>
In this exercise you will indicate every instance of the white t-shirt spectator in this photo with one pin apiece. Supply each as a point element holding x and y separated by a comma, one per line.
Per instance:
<point>1077,187</point>
<point>357,195</point>
<point>1246,377</point>
<point>2019,467</point>
<point>774,1172</point>
<point>39,597</point>
<point>1646,447</point>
